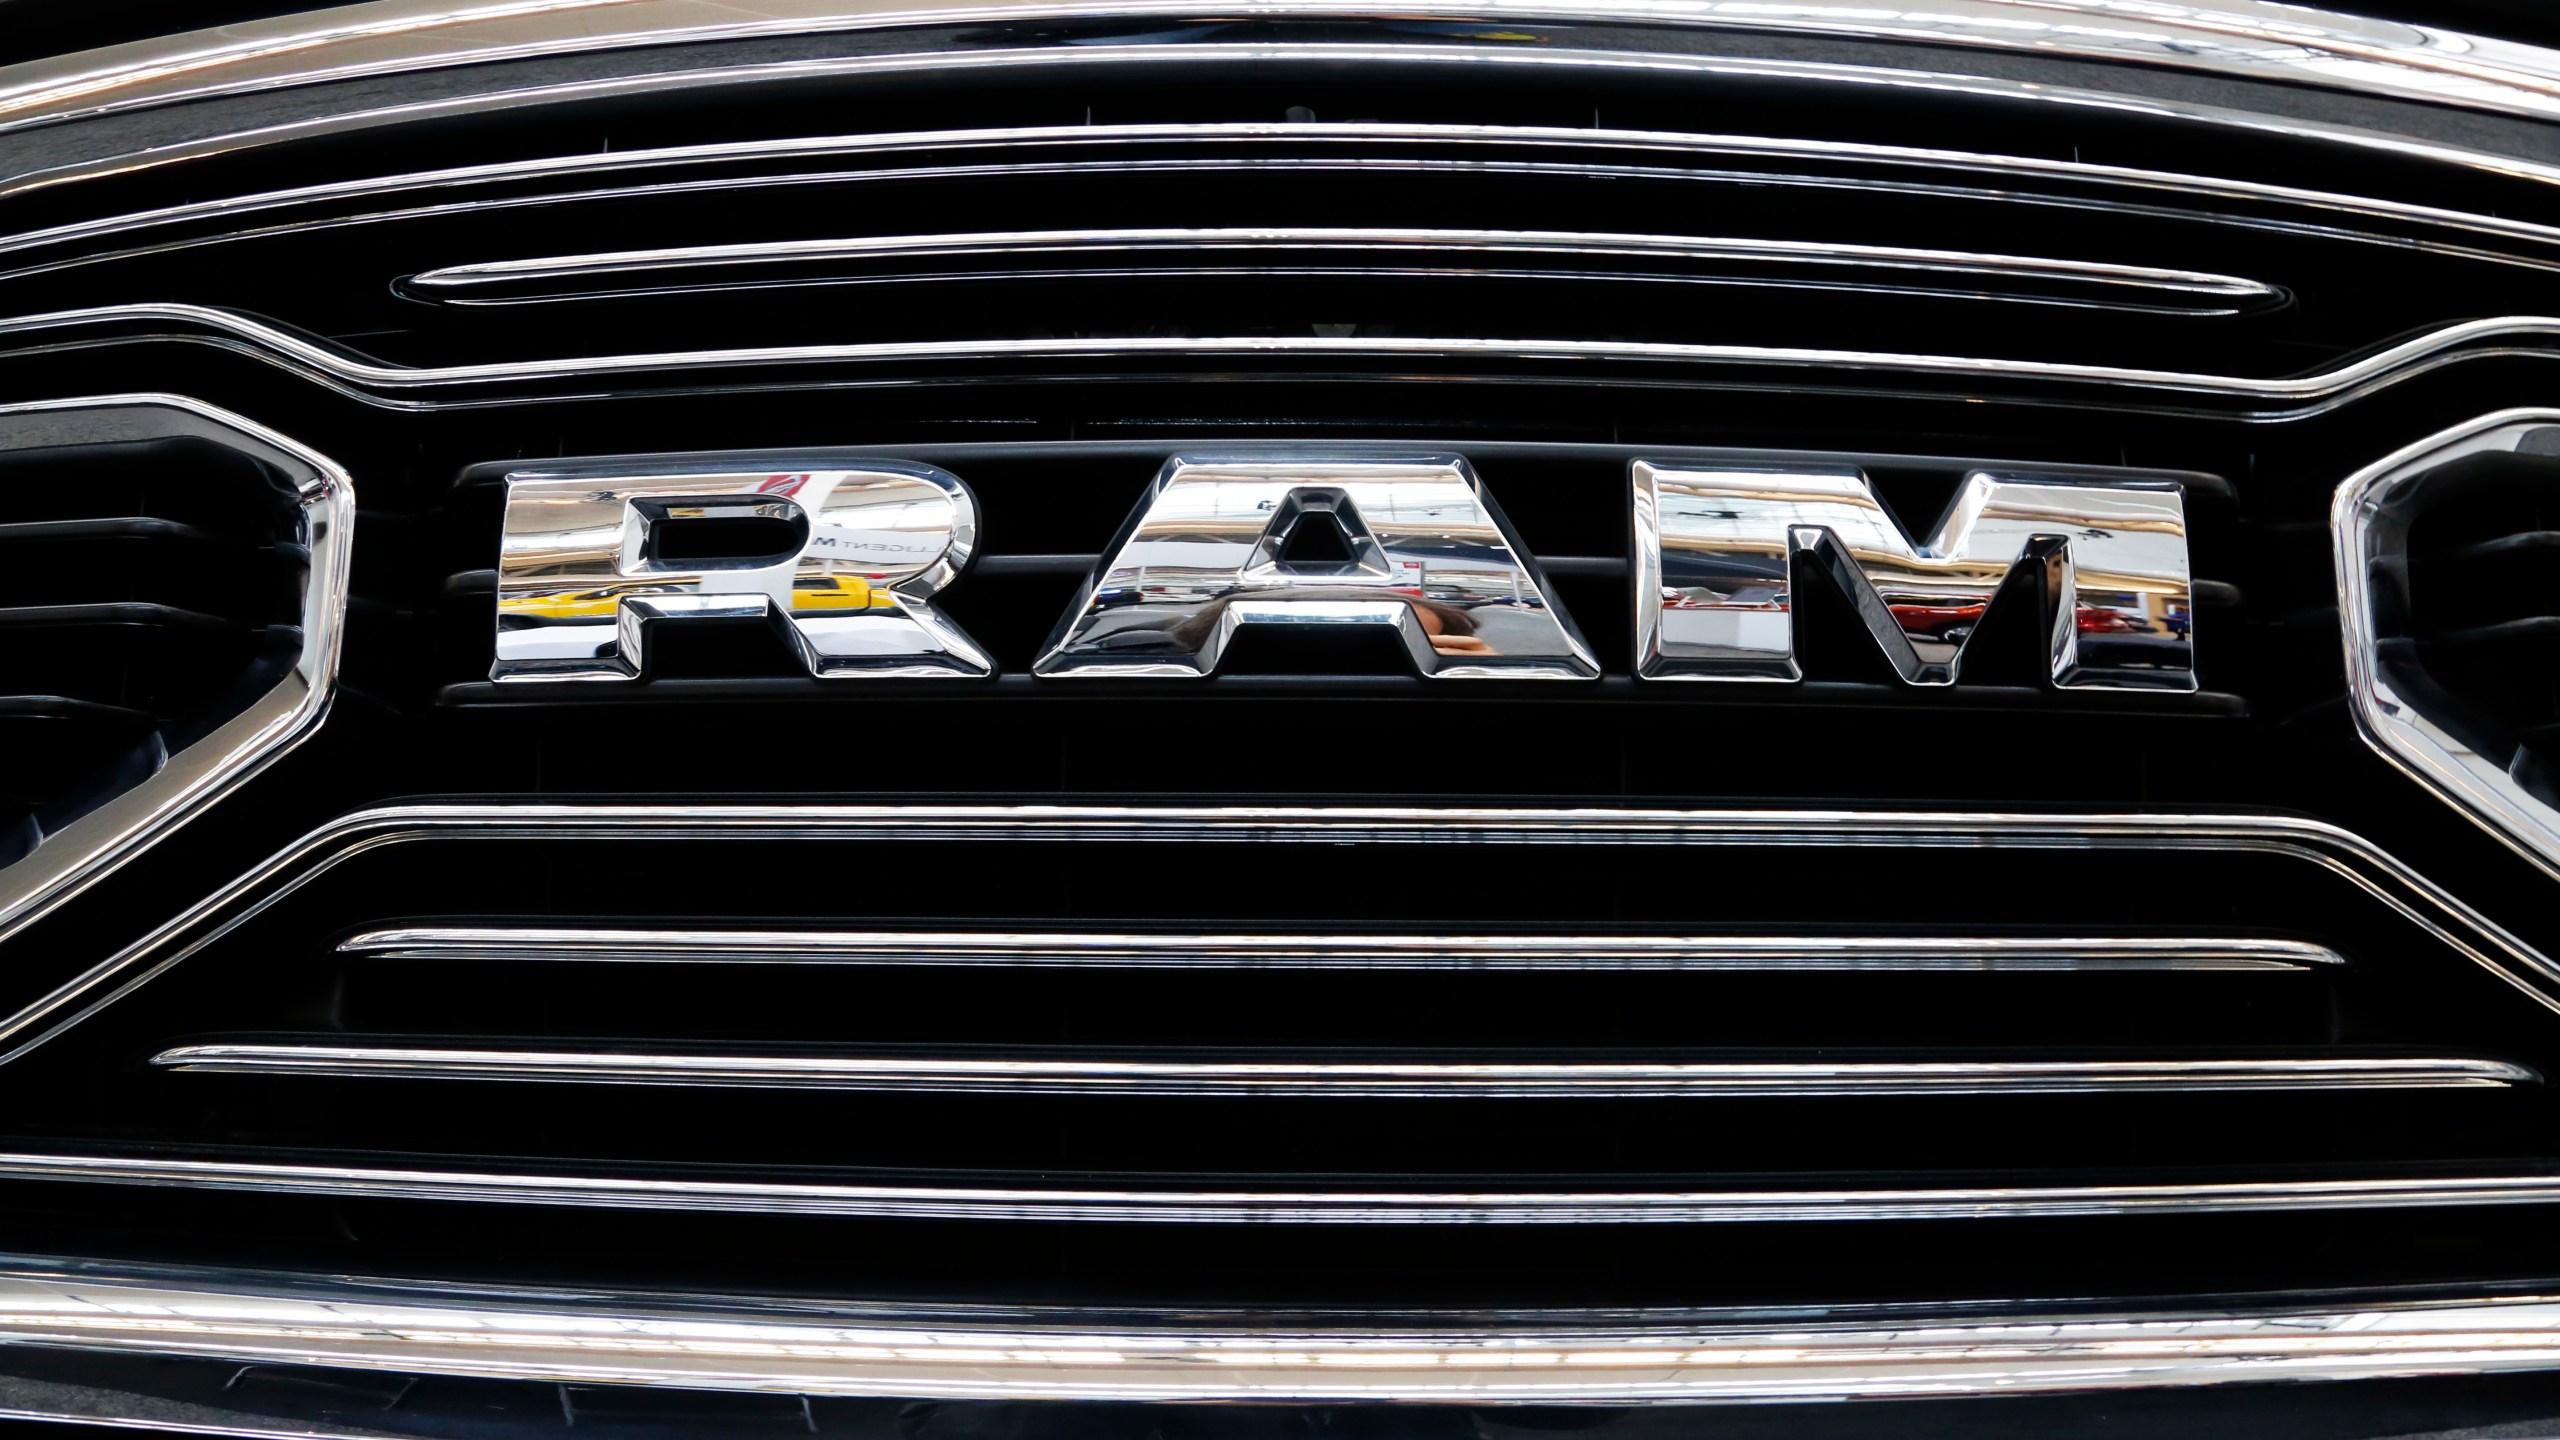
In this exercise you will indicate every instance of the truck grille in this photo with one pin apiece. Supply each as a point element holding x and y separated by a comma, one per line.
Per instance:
<point>1309,1003</point>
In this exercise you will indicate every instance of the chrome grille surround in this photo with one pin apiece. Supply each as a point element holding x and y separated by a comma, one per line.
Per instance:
<point>2435,750</point>
<point>114,831</point>
<point>2234,38</point>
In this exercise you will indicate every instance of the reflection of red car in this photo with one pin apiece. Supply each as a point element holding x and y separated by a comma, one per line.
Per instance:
<point>1942,621</point>
<point>2093,621</point>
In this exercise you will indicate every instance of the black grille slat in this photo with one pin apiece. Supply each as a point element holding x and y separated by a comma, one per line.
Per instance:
<point>2528,638</point>
<point>50,744</point>
<point>114,527</point>
<point>167,660</point>
<point>140,614</point>
<point>2524,552</point>
<point>140,559</point>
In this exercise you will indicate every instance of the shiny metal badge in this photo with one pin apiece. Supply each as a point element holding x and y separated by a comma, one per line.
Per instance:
<point>1208,553</point>
<point>579,576</point>
<point>1715,550</point>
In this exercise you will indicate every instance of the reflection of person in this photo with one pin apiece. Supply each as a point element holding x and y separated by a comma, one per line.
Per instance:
<point>1452,631</point>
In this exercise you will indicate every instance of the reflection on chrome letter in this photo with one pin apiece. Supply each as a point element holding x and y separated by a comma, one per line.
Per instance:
<point>580,569</point>
<point>1715,549</point>
<point>1410,543</point>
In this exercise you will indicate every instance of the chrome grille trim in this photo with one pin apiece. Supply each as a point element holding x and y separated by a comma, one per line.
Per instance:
<point>2350,856</point>
<point>1357,952</point>
<point>1990,276</point>
<point>1452,1205</point>
<point>987,1353</point>
<point>1344,133</point>
<point>2520,334</point>
<point>2234,39</point>
<point>914,1074</point>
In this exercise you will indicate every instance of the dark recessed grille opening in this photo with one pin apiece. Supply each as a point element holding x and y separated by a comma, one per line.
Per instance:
<point>148,590</point>
<point>2481,622</point>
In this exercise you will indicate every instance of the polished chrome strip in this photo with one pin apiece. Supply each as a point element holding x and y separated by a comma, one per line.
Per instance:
<point>1454,1206</point>
<point>1551,1357</point>
<point>2238,39</point>
<point>516,281</point>
<point>2481,787</point>
<point>1337,134</point>
<point>1483,1079</point>
<point>2351,857</point>
<point>2506,335</point>
<point>1354,952</point>
<point>82,852</point>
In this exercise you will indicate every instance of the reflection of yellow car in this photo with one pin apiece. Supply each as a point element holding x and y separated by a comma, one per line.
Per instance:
<point>576,605</point>
<point>839,592</point>
<point>809,592</point>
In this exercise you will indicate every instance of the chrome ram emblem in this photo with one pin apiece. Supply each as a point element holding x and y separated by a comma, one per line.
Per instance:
<point>1717,549</point>
<point>1423,552</point>
<point>580,572</point>
<point>1411,544</point>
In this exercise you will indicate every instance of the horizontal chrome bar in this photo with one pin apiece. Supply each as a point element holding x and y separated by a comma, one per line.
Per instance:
<point>1353,145</point>
<point>1338,1206</point>
<point>1349,952</point>
<point>1481,1079</point>
<point>503,281</point>
<point>2521,334</point>
<point>1551,1357</point>
<point>2355,860</point>
<point>2235,39</point>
